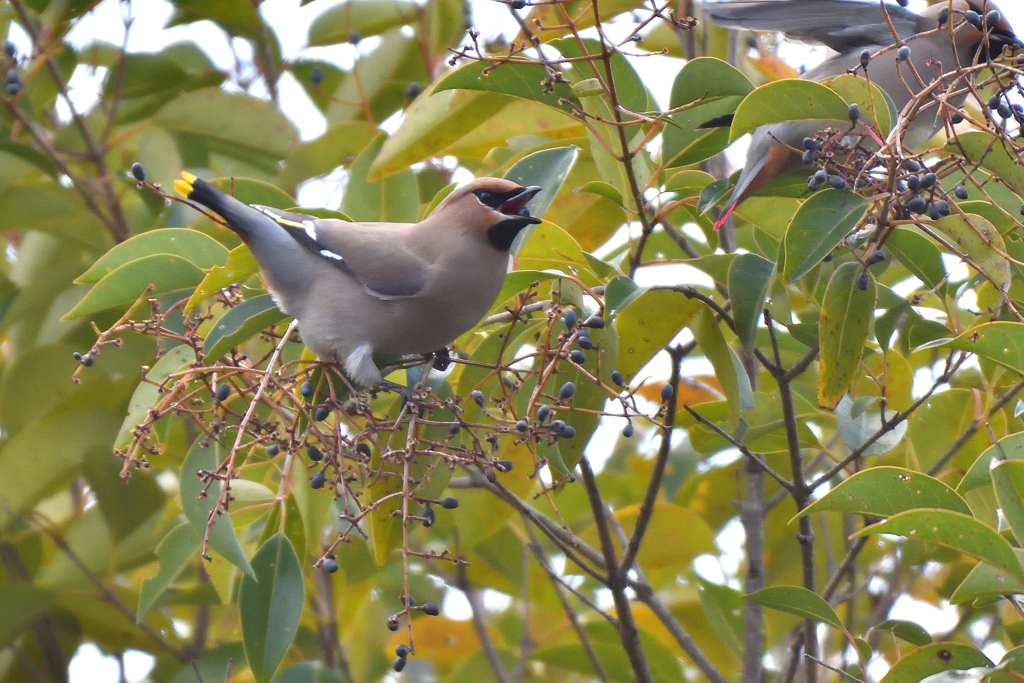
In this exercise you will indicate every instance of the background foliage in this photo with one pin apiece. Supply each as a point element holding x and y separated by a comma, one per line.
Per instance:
<point>823,447</point>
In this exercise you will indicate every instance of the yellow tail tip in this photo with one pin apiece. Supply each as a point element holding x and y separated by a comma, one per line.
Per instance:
<point>183,186</point>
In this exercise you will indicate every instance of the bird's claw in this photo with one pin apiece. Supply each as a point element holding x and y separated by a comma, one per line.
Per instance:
<point>442,359</point>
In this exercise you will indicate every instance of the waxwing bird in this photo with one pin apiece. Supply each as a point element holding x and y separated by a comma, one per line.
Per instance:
<point>396,288</point>
<point>942,38</point>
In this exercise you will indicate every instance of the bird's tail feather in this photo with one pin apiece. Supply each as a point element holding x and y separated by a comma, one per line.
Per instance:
<point>240,217</point>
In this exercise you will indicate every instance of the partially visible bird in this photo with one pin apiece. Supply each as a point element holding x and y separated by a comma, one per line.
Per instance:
<point>394,288</point>
<point>850,27</point>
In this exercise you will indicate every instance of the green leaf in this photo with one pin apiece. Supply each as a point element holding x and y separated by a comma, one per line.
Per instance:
<point>728,369</point>
<point>723,608</point>
<point>647,324</point>
<point>233,124</point>
<point>888,491</point>
<point>979,149</point>
<point>211,665</point>
<point>237,17</point>
<point>367,17</point>
<point>270,603</point>
<point>20,604</point>
<point>431,123</point>
<point>910,631</point>
<point>547,169</point>
<point>919,255</point>
<point>307,672</point>
<point>517,281</point>
<point>178,548</point>
<point>240,265</point>
<point>516,80</point>
<point>1001,342</point>
<point>798,601</point>
<point>789,99</point>
<point>339,144</point>
<point>951,530</point>
<point>376,85</point>
<point>932,659</point>
<point>199,249</point>
<point>242,323</point>
<point>846,316</point>
<point>817,227</point>
<point>876,107</point>
<point>858,426</point>
<point>719,87</point>
<point>749,278</point>
<point>985,581</point>
<point>391,199</point>
<point>977,238</point>
<point>47,207</point>
<point>1010,448</point>
<point>147,393</point>
<point>197,501</point>
<point>1008,482</point>
<point>124,285</point>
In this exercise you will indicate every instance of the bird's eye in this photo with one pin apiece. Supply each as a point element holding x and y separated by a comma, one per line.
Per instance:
<point>485,197</point>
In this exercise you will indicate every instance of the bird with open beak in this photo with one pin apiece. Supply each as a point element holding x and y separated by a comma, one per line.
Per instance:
<point>393,288</point>
<point>945,36</point>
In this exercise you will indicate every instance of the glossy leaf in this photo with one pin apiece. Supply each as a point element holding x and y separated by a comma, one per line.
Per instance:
<point>979,149</point>
<point>749,279</point>
<point>241,323</point>
<point>887,491</point>
<point>175,552</point>
<point>647,324</point>
<point>147,393</point>
<point>516,80</point>
<point>1008,482</point>
<point>846,317</point>
<point>1008,448</point>
<point>798,601</point>
<point>876,107</point>
<point>819,225</point>
<point>20,604</point>
<point>951,530</point>
<point>366,17</point>
<point>910,631</point>
<point>197,500</point>
<point>390,199</point>
<point>787,100</point>
<point>126,283</point>
<point>240,265</point>
<point>728,369</point>
<point>857,426</point>
<point>546,169</point>
<point>270,603</point>
<point>1001,342</point>
<point>919,255</point>
<point>720,88</point>
<point>932,659</point>
<point>978,239</point>
<point>197,248</point>
<point>986,581</point>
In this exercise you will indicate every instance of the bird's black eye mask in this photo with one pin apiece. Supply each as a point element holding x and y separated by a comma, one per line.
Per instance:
<point>513,205</point>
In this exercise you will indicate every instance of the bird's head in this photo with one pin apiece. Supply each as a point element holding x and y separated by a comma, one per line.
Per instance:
<point>1000,33</point>
<point>494,206</point>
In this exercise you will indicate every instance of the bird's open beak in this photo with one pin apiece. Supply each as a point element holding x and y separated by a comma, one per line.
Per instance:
<point>516,204</point>
<point>1000,39</point>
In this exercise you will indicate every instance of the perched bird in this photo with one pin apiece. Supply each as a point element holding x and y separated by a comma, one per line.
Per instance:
<point>850,28</point>
<point>395,288</point>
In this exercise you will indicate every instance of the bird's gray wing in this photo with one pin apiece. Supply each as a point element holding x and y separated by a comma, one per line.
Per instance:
<point>843,25</point>
<point>375,255</point>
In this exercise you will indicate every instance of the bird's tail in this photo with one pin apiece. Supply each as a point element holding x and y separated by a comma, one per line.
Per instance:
<point>241,218</point>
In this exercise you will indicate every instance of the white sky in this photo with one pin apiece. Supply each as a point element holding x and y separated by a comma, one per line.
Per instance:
<point>291,23</point>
